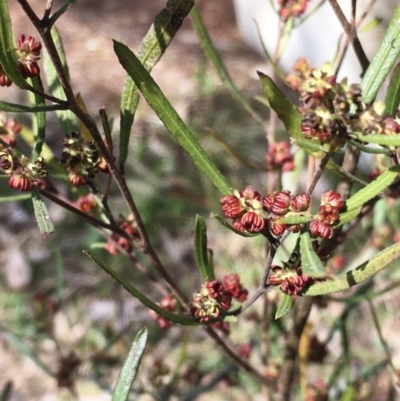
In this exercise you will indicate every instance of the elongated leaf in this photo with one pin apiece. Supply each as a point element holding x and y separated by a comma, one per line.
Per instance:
<point>186,321</point>
<point>295,219</point>
<point>38,119</point>
<point>8,58</point>
<point>284,307</point>
<point>334,167</point>
<point>392,99</point>
<point>42,215</point>
<point>14,198</point>
<point>130,368</point>
<point>373,189</point>
<point>311,264</point>
<point>229,227</point>
<point>201,251</point>
<point>383,60</point>
<point>348,216</point>
<point>85,133</point>
<point>368,149</point>
<point>218,64</point>
<point>169,116</point>
<point>384,140</point>
<point>283,107</point>
<point>19,108</point>
<point>19,345</point>
<point>61,10</point>
<point>153,46</point>
<point>357,275</point>
<point>67,119</point>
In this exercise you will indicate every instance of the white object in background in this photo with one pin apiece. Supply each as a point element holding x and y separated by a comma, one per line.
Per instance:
<point>317,37</point>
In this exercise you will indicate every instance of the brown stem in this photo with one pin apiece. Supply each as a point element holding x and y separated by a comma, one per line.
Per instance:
<point>301,312</point>
<point>90,219</point>
<point>352,35</point>
<point>347,42</point>
<point>241,362</point>
<point>318,172</point>
<point>47,11</point>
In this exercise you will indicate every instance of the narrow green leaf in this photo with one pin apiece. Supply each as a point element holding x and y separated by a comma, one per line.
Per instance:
<point>229,227</point>
<point>357,275</point>
<point>336,168</point>
<point>218,64</point>
<point>8,58</point>
<point>67,119</point>
<point>130,368</point>
<point>295,219</point>
<point>384,140</point>
<point>200,249</point>
<point>348,216</point>
<point>392,98</point>
<point>61,10</point>
<point>19,345</point>
<point>383,60</point>
<point>368,149</point>
<point>42,215</point>
<point>153,46</point>
<point>284,307</point>
<point>186,321</point>
<point>38,119</point>
<point>311,264</point>
<point>14,198</point>
<point>373,188</point>
<point>283,107</point>
<point>169,116</point>
<point>19,108</point>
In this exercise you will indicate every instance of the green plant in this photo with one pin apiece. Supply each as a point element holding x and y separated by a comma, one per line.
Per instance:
<point>333,115</point>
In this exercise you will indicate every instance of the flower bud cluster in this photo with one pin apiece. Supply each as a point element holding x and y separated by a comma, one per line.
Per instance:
<point>169,304</point>
<point>252,214</point>
<point>279,157</point>
<point>86,203</point>
<point>118,241</point>
<point>9,128</point>
<point>292,8</point>
<point>28,53</point>
<point>233,285</point>
<point>23,173</point>
<point>82,159</point>
<point>216,296</point>
<point>328,215</point>
<point>290,278</point>
<point>333,110</point>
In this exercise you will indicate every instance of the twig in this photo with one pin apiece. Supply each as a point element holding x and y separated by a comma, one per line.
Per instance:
<point>352,35</point>
<point>90,219</point>
<point>381,339</point>
<point>301,312</point>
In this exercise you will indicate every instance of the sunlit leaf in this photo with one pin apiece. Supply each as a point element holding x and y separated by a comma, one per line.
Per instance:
<point>130,368</point>
<point>284,307</point>
<point>200,249</point>
<point>283,107</point>
<point>167,114</point>
<point>373,189</point>
<point>383,60</point>
<point>42,215</point>
<point>153,46</point>
<point>311,264</point>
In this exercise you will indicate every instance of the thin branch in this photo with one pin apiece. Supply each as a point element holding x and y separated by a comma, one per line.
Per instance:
<point>352,35</point>
<point>47,11</point>
<point>90,219</point>
<point>301,312</point>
